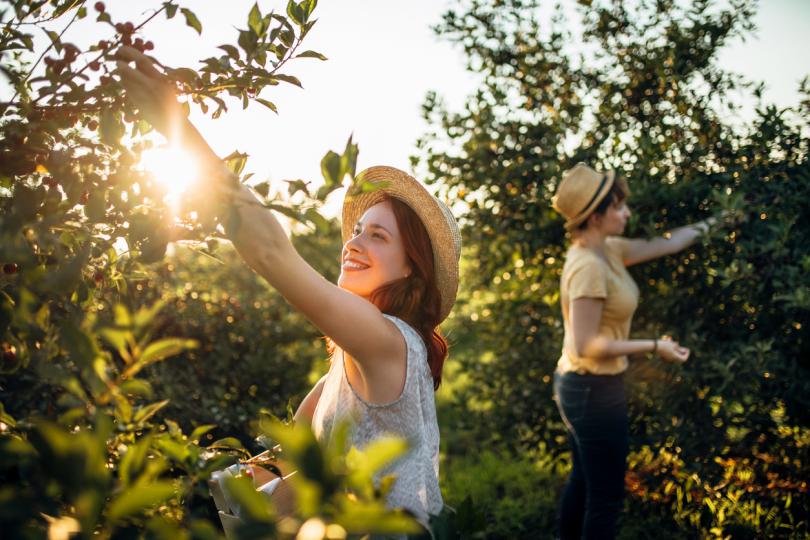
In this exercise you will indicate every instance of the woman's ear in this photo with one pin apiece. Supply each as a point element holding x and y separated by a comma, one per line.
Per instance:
<point>591,221</point>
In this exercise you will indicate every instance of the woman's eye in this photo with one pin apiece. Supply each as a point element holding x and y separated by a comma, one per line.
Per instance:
<point>356,231</point>
<point>377,235</point>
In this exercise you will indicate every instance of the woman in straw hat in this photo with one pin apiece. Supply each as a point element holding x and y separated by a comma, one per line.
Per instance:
<point>398,282</point>
<point>598,298</point>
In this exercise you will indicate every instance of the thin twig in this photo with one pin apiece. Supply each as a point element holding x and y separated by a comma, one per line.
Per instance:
<point>41,56</point>
<point>87,65</point>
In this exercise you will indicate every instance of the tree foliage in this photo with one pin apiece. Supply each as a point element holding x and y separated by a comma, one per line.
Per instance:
<point>720,444</point>
<point>90,307</point>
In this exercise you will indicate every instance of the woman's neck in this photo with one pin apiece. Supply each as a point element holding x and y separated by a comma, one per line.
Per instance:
<point>590,238</point>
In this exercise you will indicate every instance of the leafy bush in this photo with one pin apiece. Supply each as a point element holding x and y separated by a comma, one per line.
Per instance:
<point>649,100</point>
<point>513,496</point>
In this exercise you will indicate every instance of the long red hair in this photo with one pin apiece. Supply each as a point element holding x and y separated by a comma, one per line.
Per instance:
<point>415,299</point>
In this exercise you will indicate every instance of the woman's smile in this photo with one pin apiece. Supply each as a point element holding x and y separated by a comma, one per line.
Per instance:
<point>352,265</point>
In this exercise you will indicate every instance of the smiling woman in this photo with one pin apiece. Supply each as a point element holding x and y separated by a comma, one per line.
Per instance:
<point>398,283</point>
<point>174,168</point>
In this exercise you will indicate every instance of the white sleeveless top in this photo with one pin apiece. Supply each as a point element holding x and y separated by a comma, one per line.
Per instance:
<point>411,416</point>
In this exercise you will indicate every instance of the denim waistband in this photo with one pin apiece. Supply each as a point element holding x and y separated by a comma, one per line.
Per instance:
<point>591,379</point>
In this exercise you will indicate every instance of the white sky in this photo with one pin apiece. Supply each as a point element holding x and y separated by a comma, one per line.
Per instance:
<point>383,58</point>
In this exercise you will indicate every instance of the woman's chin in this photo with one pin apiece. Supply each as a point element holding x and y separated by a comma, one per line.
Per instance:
<point>348,284</point>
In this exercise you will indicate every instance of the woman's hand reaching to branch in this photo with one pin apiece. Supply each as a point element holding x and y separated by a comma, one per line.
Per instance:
<point>151,91</point>
<point>155,97</point>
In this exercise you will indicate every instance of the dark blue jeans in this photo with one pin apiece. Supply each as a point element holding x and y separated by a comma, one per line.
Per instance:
<point>594,409</point>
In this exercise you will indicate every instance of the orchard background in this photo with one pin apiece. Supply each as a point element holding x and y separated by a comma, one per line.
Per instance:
<point>140,354</point>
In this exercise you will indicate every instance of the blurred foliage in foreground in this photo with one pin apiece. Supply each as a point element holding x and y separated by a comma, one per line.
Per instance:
<point>719,445</point>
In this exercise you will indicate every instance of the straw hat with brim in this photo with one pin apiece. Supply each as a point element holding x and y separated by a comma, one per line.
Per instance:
<point>580,192</point>
<point>375,184</point>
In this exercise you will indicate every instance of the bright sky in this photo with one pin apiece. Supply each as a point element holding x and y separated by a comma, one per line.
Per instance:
<point>383,58</point>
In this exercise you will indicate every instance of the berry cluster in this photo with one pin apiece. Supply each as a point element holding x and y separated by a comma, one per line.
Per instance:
<point>70,53</point>
<point>127,29</point>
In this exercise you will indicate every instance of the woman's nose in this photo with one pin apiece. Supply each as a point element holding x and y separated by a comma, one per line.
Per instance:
<point>354,243</point>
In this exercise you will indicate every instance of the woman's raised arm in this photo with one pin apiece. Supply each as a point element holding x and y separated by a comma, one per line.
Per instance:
<point>355,324</point>
<point>642,250</point>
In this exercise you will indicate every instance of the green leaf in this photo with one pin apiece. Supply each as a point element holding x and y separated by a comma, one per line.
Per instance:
<point>137,387</point>
<point>5,417</point>
<point>174,450</point>
<point>192,20</point>
<point>142,414</point>
<point>123,410</point>
<point>247,40</point>
<point>228,442</point>
<point>255,21</point>
<point>232,51</point>
<point>308,6</point>
<point>363,465</point>
<point>236,162</point>
<point>164,348</point>
<point>117,338</point>
<point>295,12</point>
<point>262,189</point>
<point>184,75</point>
<point>330,168</point>
<point>288,78</point>
<point>81,347</point>
<point>15,452</point>
<point>252,504</point>
<point>199,431</point>
<point>146,314</point>
<point>65,7</point>
<point>171,9</point>
<point>297,185</point>
<point>138,499</point>
<point>267,104</point>
<point>380,453</point>
<point>122,317</point>
<point>348,161</point>
<point>321,223</point>
<point>311,54</point>
<point>359,516</point>
<point>55,41</point>
<point>134,460</point>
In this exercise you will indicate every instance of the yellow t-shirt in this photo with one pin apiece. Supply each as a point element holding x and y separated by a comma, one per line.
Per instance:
<point>587,275</point>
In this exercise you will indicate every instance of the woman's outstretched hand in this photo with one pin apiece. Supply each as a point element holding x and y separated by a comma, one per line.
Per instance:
<point>671,351</point>
<point>155,97</point>
<point>151,91</point>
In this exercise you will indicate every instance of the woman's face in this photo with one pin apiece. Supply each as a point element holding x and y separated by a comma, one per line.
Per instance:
<point>614,220</point>
<point>375,254</point>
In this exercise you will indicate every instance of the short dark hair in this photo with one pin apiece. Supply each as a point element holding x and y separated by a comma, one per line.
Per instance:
<point>616,195</point>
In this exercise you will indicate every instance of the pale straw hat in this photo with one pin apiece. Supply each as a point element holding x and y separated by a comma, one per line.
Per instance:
<point>580,192</point>
<point>439,222</point>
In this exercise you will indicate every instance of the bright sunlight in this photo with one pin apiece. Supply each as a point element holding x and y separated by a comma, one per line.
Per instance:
<point>173,167</point>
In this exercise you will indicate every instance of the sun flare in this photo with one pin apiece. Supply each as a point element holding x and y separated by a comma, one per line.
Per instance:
<point>173,167</point>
